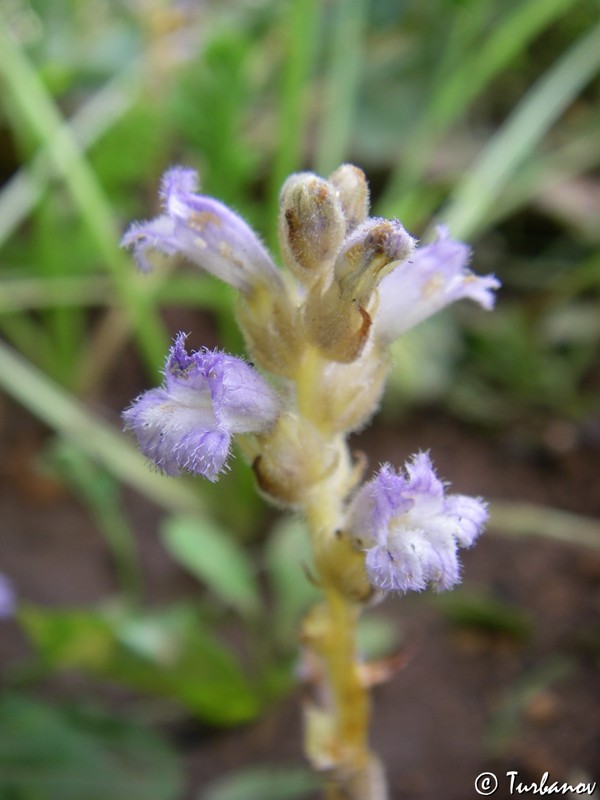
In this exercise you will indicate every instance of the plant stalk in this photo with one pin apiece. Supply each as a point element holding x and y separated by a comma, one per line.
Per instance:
<point>338,713</point>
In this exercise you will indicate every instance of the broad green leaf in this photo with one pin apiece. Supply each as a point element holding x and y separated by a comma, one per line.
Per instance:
<point>479,610</point>
<point>171,655</point>
<point>55,753</point>
<point>288,559</point>
<point>264,783</point>
<point>506,721</point>
<point>377,636</point>
<point>216,559</point>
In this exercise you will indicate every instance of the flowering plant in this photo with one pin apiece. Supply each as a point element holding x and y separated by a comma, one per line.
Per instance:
<point>319,334</point>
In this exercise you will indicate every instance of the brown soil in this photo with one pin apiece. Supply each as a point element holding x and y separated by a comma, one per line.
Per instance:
<point>433,722</point>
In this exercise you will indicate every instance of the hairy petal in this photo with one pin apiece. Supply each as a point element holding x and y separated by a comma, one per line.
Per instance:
<point>205,231</point>
<point>158,234</point>
<point>186,426</point>
<point>375,503</point>
<point>411,529</point>
<point>469,515</point>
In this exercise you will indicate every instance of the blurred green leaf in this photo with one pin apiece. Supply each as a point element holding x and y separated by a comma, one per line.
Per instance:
<point>101,493</point>
<point>263,783</point>
<point>68,417</point>
<point>423,363</point>
<point>485,613</point>
<point>216,559</point>
<point>526,365</point>
<point>131,152</point>
<point>505,722</point>
<point>520,135</point>
<point>287,557</point>
<point>50,753</point>
<point>172,655</point>
<point>42,118</point>
<point>377,636</point>
<point>220,79</point>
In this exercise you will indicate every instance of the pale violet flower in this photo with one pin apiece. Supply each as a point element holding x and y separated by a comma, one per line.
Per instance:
<point>203,230</point>
<point>434,276</point>
<point>7,598</point>
<point>411,529</point>
<point>187,424</point>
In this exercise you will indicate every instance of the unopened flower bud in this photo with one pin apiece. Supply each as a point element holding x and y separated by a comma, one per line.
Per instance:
<point>272,330</point>
<point>370,253</point>
<point>311,225</point>
<point>353,193</point>
<point>339,319</point>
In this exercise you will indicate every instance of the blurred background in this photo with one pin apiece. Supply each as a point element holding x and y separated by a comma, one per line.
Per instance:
<point>148,626</point>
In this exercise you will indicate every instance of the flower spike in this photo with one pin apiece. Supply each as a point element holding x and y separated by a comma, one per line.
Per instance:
<point>351,283</point>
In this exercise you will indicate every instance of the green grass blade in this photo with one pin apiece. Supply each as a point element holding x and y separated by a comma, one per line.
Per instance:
<point>45,122</point>
<point>301,25</point>
<point>101,442</point>
<point>473,199</point>
<point>463,84</point>
<point>188,290</point>
<point>507,40</point>
<point>102,495</point>
<point>20,294</point>
<point>97,115</point>
<point>342,82</point>
<point>28,336</point>
<point>528,519</point>
<point>546,171</point>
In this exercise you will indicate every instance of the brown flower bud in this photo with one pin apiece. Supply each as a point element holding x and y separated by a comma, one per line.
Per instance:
<point>353,193</point>
<point>338,316</point>
<point>368,255</point>
<point>311,225</point>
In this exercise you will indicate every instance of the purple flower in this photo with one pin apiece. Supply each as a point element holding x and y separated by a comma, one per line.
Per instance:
<point>186,425</point>
<point>7,597</point>
<point>433,277</point>
<point>410,529</point>
<point>205,231</point>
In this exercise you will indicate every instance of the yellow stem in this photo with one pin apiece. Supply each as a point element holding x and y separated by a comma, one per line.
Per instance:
<point>307,377</point>
<point>351,707</point>
<point>330,631</point>
<point>333,639</point>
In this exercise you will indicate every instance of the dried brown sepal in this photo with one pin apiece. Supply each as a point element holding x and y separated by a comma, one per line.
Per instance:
<point>272,330</point>
<point>338,326</point>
